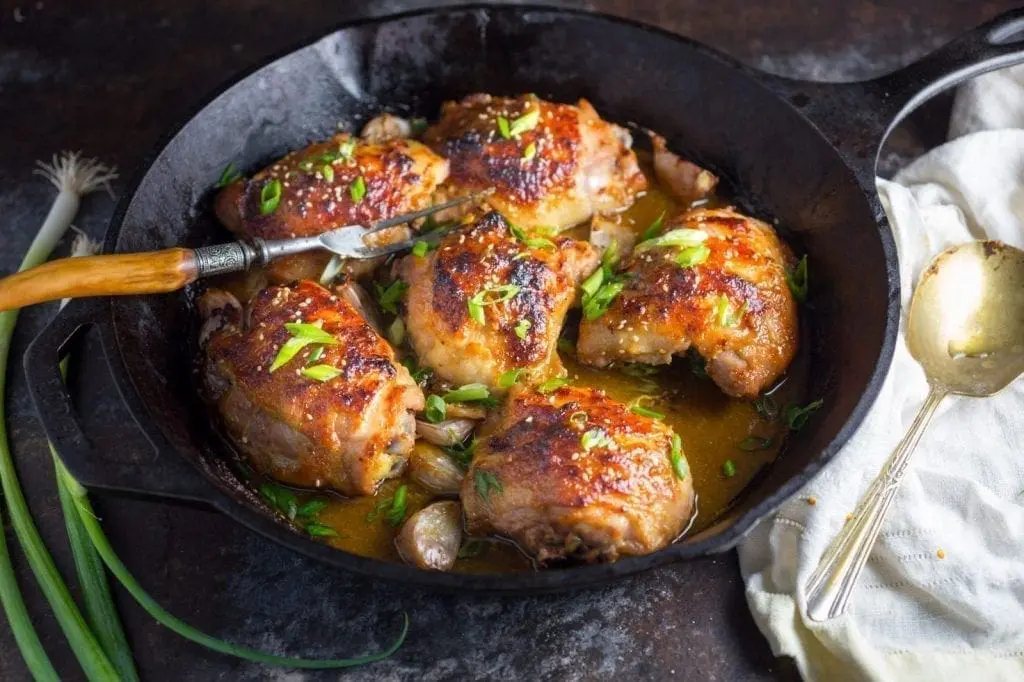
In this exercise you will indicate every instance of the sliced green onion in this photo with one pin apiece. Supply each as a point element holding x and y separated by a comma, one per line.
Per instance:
<point>461,453</point>
<point>796,417</point>
<point>592,283</point>
<point>530,151</point>
<point>313,332</point>
<point>637,407</point>
<point>595,438</point>
<point>597,305</point>
<point>797,280</point>
<point>522,328</point>
<point>289,349</point>
<point>728,468</point>
<point>420,248</point>
<point>306,166</point>
<point>504,128</point>
<point>678,237</point>
<point>346,148</point>
<point>767,407</point>
<point>675,456</point>
<point>418,374</point>
<point>693,255</point>
<point>388,297</point>
<point>485,482</point>
<point>311,508</point>
<point>321,373</point>
<point>610,256</point>
<point>653,229</point>
<point>527,121</point>
<point>467,394</point>
<point>510,378</point>
<point>726,314</point>
<point>399,507</point>
<point>489,296</point>
<point>357,190</point>
<point>270,197</point>
<point>320,530</point>
<point>315,355</point>
<point>476,312</point>
<point>229,175</point>
<point>533,242</point>
<point>328,172</point>
<point>552,385</point>
<point>436,409</point>
<point>754,443</point>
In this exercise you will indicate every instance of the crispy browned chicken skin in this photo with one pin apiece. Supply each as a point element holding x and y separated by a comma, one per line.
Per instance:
<point>537,479</point>
<point>559,172</point>
<point>398,176</point>
<point>349,432</point>
<point>735,308</point>
<point>518,333</point>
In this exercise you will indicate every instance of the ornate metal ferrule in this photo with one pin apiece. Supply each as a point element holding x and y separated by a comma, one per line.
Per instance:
<point>219,259</point>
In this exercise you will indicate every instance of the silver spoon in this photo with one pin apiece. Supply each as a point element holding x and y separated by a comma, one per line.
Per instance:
<point>966,329</point>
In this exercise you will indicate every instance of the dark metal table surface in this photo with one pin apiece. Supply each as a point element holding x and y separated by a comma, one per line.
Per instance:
<point>110,78</point>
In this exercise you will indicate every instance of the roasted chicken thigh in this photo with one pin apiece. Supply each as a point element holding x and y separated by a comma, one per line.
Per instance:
<point>714,280</point>
<point>343,181</point>
<point>574,474</point>
<point>489,300</point>
<point>549,164</point>
<point>307,390</point>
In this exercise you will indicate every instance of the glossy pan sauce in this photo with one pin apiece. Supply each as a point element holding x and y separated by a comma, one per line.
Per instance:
<point>727,441</point>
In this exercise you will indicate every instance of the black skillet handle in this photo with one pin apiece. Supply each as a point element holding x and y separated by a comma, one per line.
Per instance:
<point>857,117</point>
<point>161,474</point>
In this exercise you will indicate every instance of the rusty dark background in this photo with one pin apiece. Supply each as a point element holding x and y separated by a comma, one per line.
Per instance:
<point>110,78</point>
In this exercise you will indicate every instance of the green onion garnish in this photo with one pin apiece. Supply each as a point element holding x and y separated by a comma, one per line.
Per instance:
<point>418,374</point>
<point>653,229</point>
<point>435,409</point>
<point>229,175</point>
<point>328,172</point>
<point>797,280</point>
<point>527,121</point>
<point>595,438</point>
<point>320,530</point>
<point>313,332</point>
<point>637,407</point>
<point>270,197</point>
<point>396,514</point>
<point>530,151</point>
<point>693,255</point>
<point>357,190</point>
<point>767,407</point>
<point>597,305</point>
<point>726,314</point>
<point>522,328</point>
<point>533,242</point>
<point>346,148</point>
<point>728,468</point>
<point>485,482</point>
<point>754,443</point>
<point>315,355</point>
<point>510,378</point>
<point>467,394</point>
<point>396,332</point>
<point>420,248</point>
<point>796,417</point>
<point>675,456</point>
<point>678,237</point>
<point>490,296</point>
<point>388,297</point>
<point>321,373</point>
<point>503,128</point>
<point>288,350</point>
<point>552,385</point>
<point>461,453</point>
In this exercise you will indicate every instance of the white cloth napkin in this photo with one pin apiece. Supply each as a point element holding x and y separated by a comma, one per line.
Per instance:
<point>942,597</point>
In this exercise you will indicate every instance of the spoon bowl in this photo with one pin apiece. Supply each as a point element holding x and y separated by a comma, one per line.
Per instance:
<point>966,322</point>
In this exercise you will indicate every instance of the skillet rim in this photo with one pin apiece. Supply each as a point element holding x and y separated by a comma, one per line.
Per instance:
<point>525,582</point>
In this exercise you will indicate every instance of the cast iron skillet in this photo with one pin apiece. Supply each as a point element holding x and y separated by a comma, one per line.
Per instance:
<point>801,152</point>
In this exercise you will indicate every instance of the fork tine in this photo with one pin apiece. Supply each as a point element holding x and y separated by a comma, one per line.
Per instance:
<point>375,251</point>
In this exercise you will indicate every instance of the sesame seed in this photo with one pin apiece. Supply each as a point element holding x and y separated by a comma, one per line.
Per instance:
<point>812,500</point>
<point>941,553</point>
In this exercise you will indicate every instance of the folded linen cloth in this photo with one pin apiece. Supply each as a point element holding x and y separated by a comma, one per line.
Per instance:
<point>942,596</point>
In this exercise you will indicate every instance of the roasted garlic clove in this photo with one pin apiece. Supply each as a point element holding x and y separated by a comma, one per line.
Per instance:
<point>431,538</point>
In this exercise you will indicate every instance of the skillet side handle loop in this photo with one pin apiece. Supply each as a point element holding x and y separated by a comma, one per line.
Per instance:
<point>856,118</point>
<point>163,476</point>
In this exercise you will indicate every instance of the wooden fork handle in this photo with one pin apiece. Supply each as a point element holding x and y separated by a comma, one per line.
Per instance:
<point>156,272</point>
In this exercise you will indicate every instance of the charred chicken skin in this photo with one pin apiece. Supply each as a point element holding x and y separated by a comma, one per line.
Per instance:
<point>720,288</point>
<point>338,413</point>
<point>549,164</point>
<point>574,474</point>
<point>343,181</point>
<point>487,301</point>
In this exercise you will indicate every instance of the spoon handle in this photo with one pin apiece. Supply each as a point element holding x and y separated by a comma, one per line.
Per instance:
<point>835,577</point>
